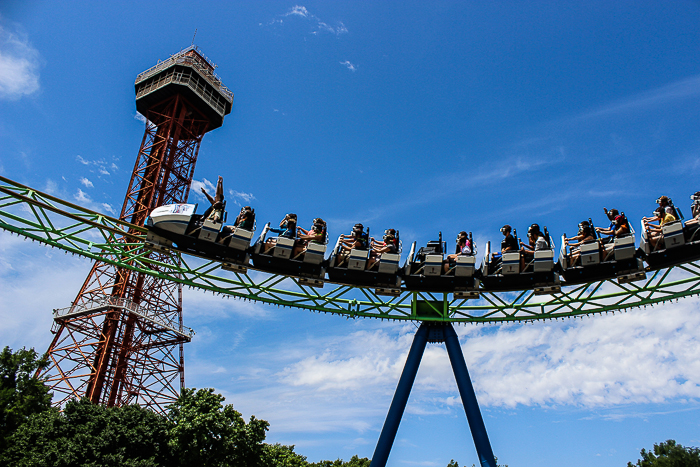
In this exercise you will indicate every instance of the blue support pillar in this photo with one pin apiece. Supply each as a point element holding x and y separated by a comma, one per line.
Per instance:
<point>398,403</point>
<point>466,391</point>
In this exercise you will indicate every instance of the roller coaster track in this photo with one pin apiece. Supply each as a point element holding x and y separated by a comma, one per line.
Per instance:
<point>59,224</point>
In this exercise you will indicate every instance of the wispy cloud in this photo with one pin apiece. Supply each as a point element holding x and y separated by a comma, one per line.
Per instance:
<point>86,182</point>
<point>683,89</point>
<point>19,65</point>
<point>86,201</point>
<point>239,196</point>
<point>196,188</point>
<point>349,65</point>
<point>99,166</point>
<point>141,118</point>
<point>317,26</point>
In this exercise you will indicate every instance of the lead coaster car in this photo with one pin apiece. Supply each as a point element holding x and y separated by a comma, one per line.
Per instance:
<point>309,266</point>
<point>539,274</point>
<point>351,268</point>
<point>177,226</point>
<point>423,271</point>
<point>678,244</point>
<point>615,259</point>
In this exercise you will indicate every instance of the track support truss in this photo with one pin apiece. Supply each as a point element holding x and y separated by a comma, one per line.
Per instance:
<point>56,223</point>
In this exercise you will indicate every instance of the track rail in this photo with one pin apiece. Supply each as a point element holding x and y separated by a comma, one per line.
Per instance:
<point>59,224</point>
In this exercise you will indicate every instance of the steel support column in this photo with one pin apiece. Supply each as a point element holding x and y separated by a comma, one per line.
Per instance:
<point>398,403</point>
<point>466,391</point>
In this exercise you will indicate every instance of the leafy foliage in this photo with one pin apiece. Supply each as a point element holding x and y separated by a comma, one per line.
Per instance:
<point>279,455</point>
<point>87,434</point>
<point>454,463</point>
<point>207,433</point>
<point>198,430</point>
<point>354,461</point>
<point>668,454</point>
<point>21,395</point>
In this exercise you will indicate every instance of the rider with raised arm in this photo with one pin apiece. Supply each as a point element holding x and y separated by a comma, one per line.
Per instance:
<point>215,212</point>
<point>619,226</point>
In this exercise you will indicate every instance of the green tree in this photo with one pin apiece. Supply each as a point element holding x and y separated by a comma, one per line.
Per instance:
<point>206,432</point>
<point>279,455</point>
<point>88,434</point>
<point>354,461</point>
<point>474,465</point>
<point>668,454</point>
<point>21,394</point>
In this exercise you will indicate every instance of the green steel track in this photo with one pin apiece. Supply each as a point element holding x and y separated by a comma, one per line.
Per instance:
<point>49,220</point>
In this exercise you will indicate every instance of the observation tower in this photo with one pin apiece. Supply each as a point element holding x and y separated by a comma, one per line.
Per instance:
<point>121,341</point>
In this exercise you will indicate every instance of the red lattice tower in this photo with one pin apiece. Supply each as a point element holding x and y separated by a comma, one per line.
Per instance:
<point>121,341</point>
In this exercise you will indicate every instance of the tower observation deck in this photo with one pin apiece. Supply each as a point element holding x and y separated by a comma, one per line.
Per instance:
<point>116,354</point>
<point>190,74</point>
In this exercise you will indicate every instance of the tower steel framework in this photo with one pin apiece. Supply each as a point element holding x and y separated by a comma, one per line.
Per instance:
<point>125,345</point>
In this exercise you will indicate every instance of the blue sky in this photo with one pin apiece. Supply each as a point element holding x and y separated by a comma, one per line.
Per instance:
<point>426,117</point>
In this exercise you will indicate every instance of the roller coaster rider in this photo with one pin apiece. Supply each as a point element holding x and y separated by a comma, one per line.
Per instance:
<point>388,245</point>
<point>663,217</point>
<point>537,241</point>
<point>245,219</point>
<point>358,239</point>
<point>316,234</point>
<point>509,243</point>
<point>464,247</point>
<point>288,229</point>
<point>692,226</point>
<point>585,235</point>
<point>215,212</point>
<point>619,226</point>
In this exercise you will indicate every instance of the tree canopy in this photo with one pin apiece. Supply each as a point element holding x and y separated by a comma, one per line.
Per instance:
<point>199,429</point>
<point>668,454</point>
<point>21,395</point>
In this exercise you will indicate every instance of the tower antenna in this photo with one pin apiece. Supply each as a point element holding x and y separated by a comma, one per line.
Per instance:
<point>195,35</point>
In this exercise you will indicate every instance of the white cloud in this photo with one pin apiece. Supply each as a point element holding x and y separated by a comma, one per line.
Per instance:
<point>349,65</point>
<point>108,208</point>
<point>298,11</point>
<point>19,66</point>
<point>86,182</point>
<point>239,195</point>
<point>640,357</point>
<point>142,119</point>
<point>101,166</point>
<point>317,25</point>
<point>51,187</point>
<point>33,289</point>
<point>82,197</point>
<point>196,188</point>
